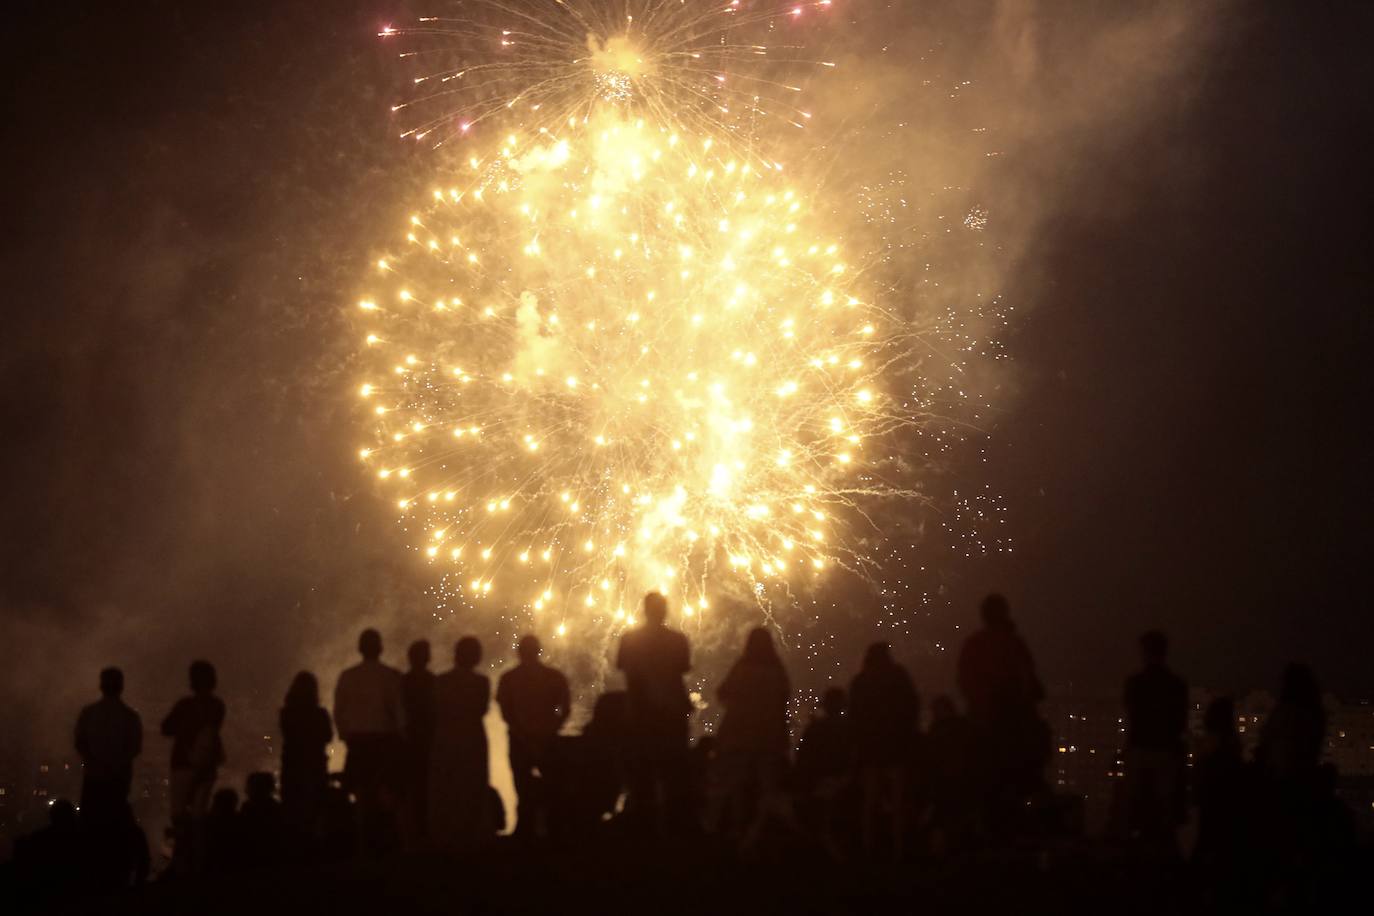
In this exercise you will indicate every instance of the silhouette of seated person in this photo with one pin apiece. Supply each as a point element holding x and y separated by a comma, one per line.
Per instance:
<point>535,702</point>
<point>417,697</point>
<point>369,717</point>
<point>224,848</point>
<point>306,732</point>
<point>884,712</point>
<point>53,861</point>
<point>1156,702</point>
<point>460,812</point>
<point>194,725</point>
<point>260,822</point>
<point>654,660</point>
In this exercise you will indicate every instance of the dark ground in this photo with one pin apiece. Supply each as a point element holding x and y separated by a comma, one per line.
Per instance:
<point>1069,877</point>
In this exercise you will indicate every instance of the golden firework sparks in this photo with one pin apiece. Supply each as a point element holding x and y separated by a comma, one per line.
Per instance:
<point>624,358</point>
<point>709,67</point>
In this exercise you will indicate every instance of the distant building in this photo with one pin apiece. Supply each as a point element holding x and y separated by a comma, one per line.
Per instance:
<point>1089,732</point>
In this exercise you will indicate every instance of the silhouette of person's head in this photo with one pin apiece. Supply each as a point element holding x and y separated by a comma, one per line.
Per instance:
<point>1326,780</point>
<point>467,653</point>
<point>224,803</point>
<point>1220,717</point>
<point>529,649</point>
<point>260,786</point>
<point>370,644</point>
<point>996,611</point>
<point>418,653</point>
<point>833,701</point>
<point>655,609</point>
<point>62,815</point>
<point>878,655</point>
<point>759,649</point>
<point>304,691</point>
<point>111,682</point>
<point>203,677</point>
<point>1300,687</point>
<point>1154,647</point>
<point>942,708</point>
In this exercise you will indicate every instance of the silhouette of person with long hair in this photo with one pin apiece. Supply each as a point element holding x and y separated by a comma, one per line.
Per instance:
<point>417,696</point>
<point>1290,745</point>
<point>1156,702</point>
<point>458,774</point>
<point>753,737</point>
<point>997,677</point>
<point>369,716</point>
<point>306,732</point>
<point>109,735</point>
<point>884,711</point>
<point>654,659</point>
<point>194,726</point>
<point>535,702</point>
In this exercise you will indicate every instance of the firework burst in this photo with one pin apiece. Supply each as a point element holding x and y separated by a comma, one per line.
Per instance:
<point>721,68</point>
<point>623,360</point>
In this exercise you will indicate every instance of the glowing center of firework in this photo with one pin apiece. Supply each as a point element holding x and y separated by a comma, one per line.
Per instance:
<point>620,363</point>
<point>616,63</point>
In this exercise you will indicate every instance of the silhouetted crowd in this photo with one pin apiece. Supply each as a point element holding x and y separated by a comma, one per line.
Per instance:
<point>865,783</point>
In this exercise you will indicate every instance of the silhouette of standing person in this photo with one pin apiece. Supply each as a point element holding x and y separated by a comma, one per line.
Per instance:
<point>417,696</point>
<point>884,711</point>
<point>197,751</point>
<point>1224,789</point>
<point>370,718</point>
<point>1156,702</point>
<point>950,751</point>
<point>753,736</point>
<point>996,675</point>
<point>306,732</point>
<point>1290,745</point>
<point>654,659</point>
<point>825,767</point>
<point>1288,757</point>
<point>109,735</point>
<point>535,702</point>
<point>458,763</point>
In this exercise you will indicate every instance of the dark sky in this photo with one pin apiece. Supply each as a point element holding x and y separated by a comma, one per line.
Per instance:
<point>192,188</point>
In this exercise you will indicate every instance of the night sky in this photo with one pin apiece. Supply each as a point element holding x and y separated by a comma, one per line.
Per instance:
<point>1182,435</point>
